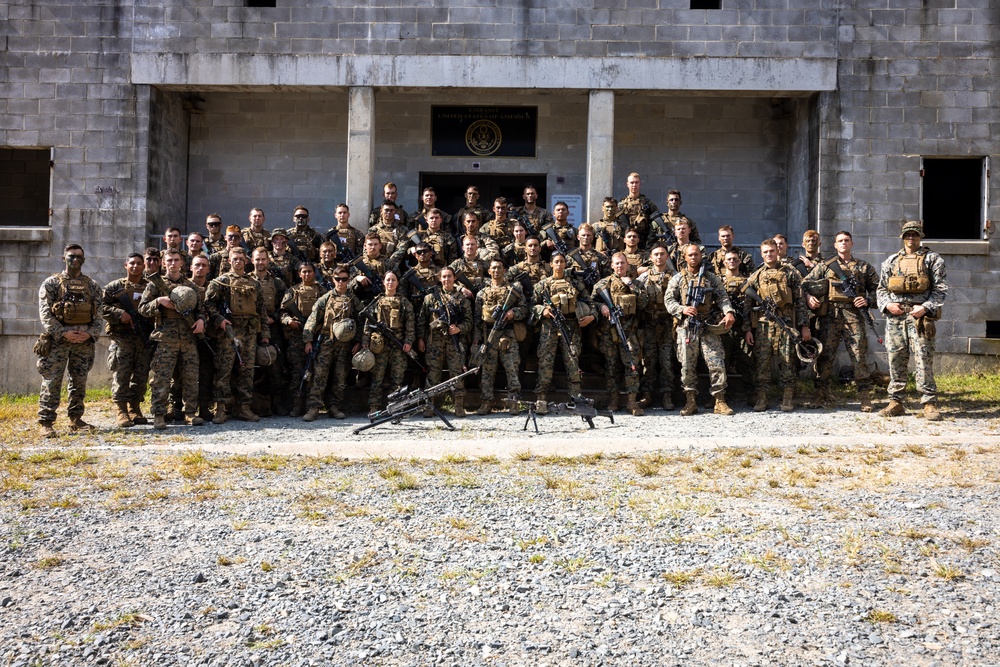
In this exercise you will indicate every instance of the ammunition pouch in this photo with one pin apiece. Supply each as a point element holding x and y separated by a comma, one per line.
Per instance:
<point>836,292</point>
<point>627,302</point>
<point>43,346</point>
<point>520,331</point>
<point>376,343</point>
<point>243,298</point>
<point>909,284</point>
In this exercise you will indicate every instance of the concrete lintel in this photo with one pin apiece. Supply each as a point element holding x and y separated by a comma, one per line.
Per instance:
<point>763,75</point>
<point>26,234</point>
<point>959,247</point>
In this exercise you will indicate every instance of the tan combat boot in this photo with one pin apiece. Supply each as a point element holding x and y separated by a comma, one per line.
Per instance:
<point>894,409</point>
<point>459,406</point>
<point>335,412</point>
<point>614,403</point>
<point>691,404</point>
<point>246,414</point>
<point>645,400</point>
<point>761,404</point>
<point>297,409</point>
<point>633,406</point>
<point>542,404</point>
<point>220,413</point>
<point>310,415</point>
<point>484,408</point>
<point>721,407</point>
<point>787,403</point>
<point>931,413</point>
<point>514,403</point>
<point>160,422</point>
<point>46,431</point>
<point>193,419</point>
<point>123,420</point>
<point>77,424</point>
<point>668,401</point>
<point>135,412</point>
<point>865,397</point>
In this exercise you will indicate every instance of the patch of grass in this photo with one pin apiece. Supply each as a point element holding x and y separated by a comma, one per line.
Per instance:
<point>266,566</point>
<point>49,562</point>
<point>523,455</point>
<point>880,616</point>
<point>720,579</point>
<point>915,449</point>
<point>647,468</point>
<point>458,523</point>
<point>971,544</point>
<point>946,571</point>
<point>130,619</point>
<point>681,578</point>
<point>769,561</point>
<point>536,558</point>
<point>573,564</point>
<point>455,458</point>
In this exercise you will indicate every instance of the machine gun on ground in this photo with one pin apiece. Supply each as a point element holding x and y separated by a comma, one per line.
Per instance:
<point>616,319</point>
<point>577,405</point>
<point>403,403</point>
<point>499,321</point>
<point>696,291</point>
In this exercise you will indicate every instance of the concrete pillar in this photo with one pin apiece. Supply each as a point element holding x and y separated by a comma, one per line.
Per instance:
<point>600,150</point>
<point>360,153</point>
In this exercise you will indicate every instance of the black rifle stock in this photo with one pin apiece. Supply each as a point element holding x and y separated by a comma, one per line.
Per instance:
<point>404,403</point>
<point>615,315</point>
<point>695,297</point>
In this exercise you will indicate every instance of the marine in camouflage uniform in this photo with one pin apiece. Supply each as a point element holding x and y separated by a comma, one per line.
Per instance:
<point>337,306</point>
<point>68,306</point>
<point>281,258</point>
<point>254,234</point>
<point>560,232</point>
<point>206,353</point>
<point>638,208</point>
<point>779,281</point>
<point>739,354</point>
<point>470,269</point>
<point>500,228</point>
<point>236,300</point>
<point>676,250</point>
<point>443,244</point>
<point>429,200</point>
<point>350,237</point>
<point>704,341</point>
<point>503,347</point>
<point>390,229</point>
<point>396,312</point>
<point>807,260</point>
<point>220,261</point>
<point>843,318</point>
<point>586,261</point>
<point>489,249</point>
<point>305,238</point>
<point>656,333</point>
<point>472,205</point>
<point>442,338</point>
<point>638,260</point>
<point>630,299</point>
<point>296,307</point>
<point>911,290</point>
<point>271,379</point>
<point>516,251</point>
<point>536,215</point>
<point>610,230</point>
<point>362,285</point>
<point>129,354</point>
<point>716,259</point>
<point>215,241</point>
<point>560,292</point>
<point>176,347</point>
<point>673,215</point>
<point>399,215</point>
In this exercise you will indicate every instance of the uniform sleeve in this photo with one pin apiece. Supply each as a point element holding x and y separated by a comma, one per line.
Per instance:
<point>283,314</point>
<point>870,284</point>
<point>147,305</point>
<point>96,326</point>
<point>721,295</point>
<point>522,307</point>
<point>798,298</point>
<point>110,307</point>
<point>939,285</point>
<point>672,296</point>
<point>215,292</point>
<point>882,293</point>
<point>315,319</point>
<point>466,309</point>
<point>409,326</point>
<point>47,295</point>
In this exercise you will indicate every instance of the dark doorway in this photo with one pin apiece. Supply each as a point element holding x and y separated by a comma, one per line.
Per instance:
<point>450,188</point>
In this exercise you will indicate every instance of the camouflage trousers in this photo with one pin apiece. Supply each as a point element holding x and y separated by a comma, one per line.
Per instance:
<point>550,342</point>
<point>709,346</point>
<point>336,356</point>
<point>901,341</point>
<point>770,341</point>
<point>175,350</point>
<point>128,360</point>
<point>225,360</point>
<point>843,324</point>
<point>618,361</point>
<point>440,351</point>
<point>392,360</point>
<point>75,358</point>
<point>295,355</point>
<point>741,357</point>
<point>658,356</point>
<point>511,360</point>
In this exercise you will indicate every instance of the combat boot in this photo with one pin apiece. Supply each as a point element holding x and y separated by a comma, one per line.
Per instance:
<point>613,404</point>
<point>721,407</point>
<point>761,404</point>
<point>194,420</point>
<point>633,406</point>
<point>135,414</point>
<point>787,404</point>
<point>311,415</point>
<point>123,420</point>
<point>297,409</point>
<point>77,424</point>
<point>541,403</point>
<point>514,403</point>
<point>931,413</point>
<point>894,409</point>
<point>175,415</point>
<point>159,422</point>
<point>645,400</point>
<point>691,404</point>
<point>459,407</point>
<point>205,412</point>
<point>668,401</point>
<point>46,431</point>
<point>335,412</point>
<point>246,414</point>
<point>220,413</point>
<point>484,408</point>
<point>865,397</point>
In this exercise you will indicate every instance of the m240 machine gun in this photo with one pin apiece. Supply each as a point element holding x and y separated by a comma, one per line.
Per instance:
<point>584,407</point>
<point>404,403</point>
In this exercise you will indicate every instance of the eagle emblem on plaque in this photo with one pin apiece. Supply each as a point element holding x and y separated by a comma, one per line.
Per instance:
<point>483,137</point>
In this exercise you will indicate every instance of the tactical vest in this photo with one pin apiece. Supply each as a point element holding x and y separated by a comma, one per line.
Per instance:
<point>283,264</point>
<point>74,304</point>
<point>337,308</point>
<point>349,238</point>
<point>171,313</point>
<point>218,245</point>
<point>734,284</point>
<point>269,290</point>
<point>472,270</point>
<point>436,242</point>
<point>623,297</point>
<point>835,286</point>
<point>303,238</point>
<point>499,231</point>
<point>909,274</point>
<point>449,300</point>
<point>709,301</point>
<point>390,312</point>
<point>493,297</point>
<point>305,297</point>
<point>655,285</point>
<point>535,271</point>
<point>134,292</point>
<point>427,276</point>
<point>633,258</point>
<point>256,239</point>
<point>243,295</point>
<point>773,283</point>
<point>563,296</point>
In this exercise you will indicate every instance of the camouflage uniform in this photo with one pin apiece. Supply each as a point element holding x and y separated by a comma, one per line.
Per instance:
<point>566,233</point>
<point>287,267</point>
<point>640,210</point>
<point>245,299</point>
<point>706,343</point>
<point>215,246</point>
<point>458,219</point>
<point>261,239</point>
<point>501,232</point>
<point>738,354</point>
<point>351,239</point>
<point>396,313</point>
<point>444,246</point>
<point>377,268</point>
<point>206,362</point>
<point>391,237</point>
<point>427,278</point>
<point>675,254</point>
<point>475,272</point>
<point>673,218</point>
<point>535,271</point>
<point>375,217</point>
<point>800,266</point>
<point>538,218</point>
<point>219,264</point>
<point>489,248</point>
<point>656,335</point>
<point>297,306</point>
<point>272,379</point>
<point>632,299</point>
<point>129,355</point>
<point>615,232</point>
<point>441,348</point>
<point>635,260</point>
<point>842,321</point>
<point>565,294</point>
<point>899,281</point>
<point>306,239</point>
<point>176,347</point>
<point>333,354</point>
<point>784,285</point>
<point>506,349</point>
<point>582,260</point>
<point>419,220</point>
<point>746,266</point>
<point>185,257</point>
<point>67,304</point>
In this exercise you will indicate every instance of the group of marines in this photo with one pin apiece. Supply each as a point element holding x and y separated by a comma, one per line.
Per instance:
<point>288,313</point>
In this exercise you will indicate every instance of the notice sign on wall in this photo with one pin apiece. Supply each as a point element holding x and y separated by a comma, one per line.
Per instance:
<point>484,131</point>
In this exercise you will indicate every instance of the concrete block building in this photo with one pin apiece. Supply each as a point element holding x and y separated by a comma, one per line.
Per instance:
<point>120,118</point>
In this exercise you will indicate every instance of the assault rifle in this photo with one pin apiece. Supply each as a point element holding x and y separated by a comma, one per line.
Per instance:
<point>463,280</point>
<point>551,234</point>
<point>849,286</point>
<point>403,403</point>
<point>446,313</point>
<point>695,297</point>
<point>141,326</point>
<point>518,215</point>
<point>560,321</point>
<point>665,231</point>
<point>297,251</point>
<point>359,263</point>
<point>806,351</point>
<point>589,274</point>
<point>616,319</point>
<point>372,325</point>
<point>577,405</point>
<point>227,314</point>
<point>499,322</point>
<point>307,371</point>
<point>344,254</point>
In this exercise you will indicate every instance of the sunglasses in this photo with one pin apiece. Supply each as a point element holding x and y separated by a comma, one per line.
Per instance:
<point>341,280</point>
<point>213,224</point>
<point>423,252</point>
<point>299,216</point>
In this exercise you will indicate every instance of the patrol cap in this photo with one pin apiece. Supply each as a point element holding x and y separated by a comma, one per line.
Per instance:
<point>279,232</point>
<point>912,226</point>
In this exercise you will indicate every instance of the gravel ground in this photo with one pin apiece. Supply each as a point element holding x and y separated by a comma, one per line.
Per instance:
<point>841,539</point>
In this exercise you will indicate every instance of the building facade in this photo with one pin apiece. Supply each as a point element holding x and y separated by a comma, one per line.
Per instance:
<point>121,118</point>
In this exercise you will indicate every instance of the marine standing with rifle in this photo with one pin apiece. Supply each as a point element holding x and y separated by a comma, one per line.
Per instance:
<point>273,289</point>
<point>396,314</point>
<point>621,300</point>
<point>498,306</point>
<point>68,307</point>
<point>129,354</point>
<point>200,268</point>
<point>444,321</point>
<point>610,229</point>
<point>296,307</point>
<point>656,334</point>
<point>176,306</point>
<point>638,208</point>
<point>850,291</point>
<point>693,296</point>
<point>738,353</point>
